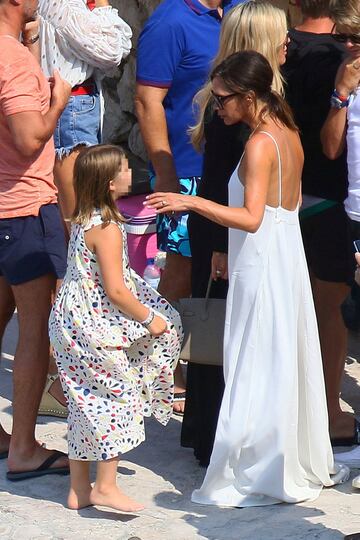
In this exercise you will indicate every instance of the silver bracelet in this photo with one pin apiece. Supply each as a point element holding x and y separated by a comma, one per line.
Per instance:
<point>149,319</point>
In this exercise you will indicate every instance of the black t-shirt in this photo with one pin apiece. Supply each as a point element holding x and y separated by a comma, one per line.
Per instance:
<point>310,70</point>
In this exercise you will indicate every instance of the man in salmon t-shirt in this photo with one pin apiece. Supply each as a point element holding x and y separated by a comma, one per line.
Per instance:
<point>32,243</point>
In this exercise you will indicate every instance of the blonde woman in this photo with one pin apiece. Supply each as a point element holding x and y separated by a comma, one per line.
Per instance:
<point>261,27</point>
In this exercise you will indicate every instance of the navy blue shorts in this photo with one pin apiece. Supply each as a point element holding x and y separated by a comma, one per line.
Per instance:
<point>33,246</point>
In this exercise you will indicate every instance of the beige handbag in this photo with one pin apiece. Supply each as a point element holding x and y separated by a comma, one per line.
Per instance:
<point>203,321</point>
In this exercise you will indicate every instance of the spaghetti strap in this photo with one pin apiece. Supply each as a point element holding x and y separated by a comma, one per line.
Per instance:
<point>279,164</point>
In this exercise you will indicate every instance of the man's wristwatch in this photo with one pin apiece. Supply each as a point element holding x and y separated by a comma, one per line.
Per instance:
<point>30,41</point>
<point>337,101</point>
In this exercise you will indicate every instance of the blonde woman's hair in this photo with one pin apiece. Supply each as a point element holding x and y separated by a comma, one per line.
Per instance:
<point>346,14</point>
<point>253,25</point>
<point>94,169</point>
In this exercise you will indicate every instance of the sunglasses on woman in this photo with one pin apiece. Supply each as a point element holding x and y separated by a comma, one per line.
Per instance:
<point>220,101</point>
<point>344,38</point>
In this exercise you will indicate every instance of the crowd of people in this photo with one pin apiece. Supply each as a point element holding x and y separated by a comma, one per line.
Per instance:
<point>252,132</point>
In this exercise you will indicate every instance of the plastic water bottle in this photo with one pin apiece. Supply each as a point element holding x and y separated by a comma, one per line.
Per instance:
<point>151,274</point>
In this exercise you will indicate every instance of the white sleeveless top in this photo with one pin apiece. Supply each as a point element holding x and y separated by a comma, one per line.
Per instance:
<point>352,202</point>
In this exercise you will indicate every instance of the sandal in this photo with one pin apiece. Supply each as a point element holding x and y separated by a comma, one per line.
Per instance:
<point>179,396</point>
<point>45,468</point>
<point>348,441</point>
<point>49,406</point>
<point>356,482</point>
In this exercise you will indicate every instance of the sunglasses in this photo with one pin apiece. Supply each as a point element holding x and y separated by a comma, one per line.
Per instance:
<point>220,101</point>
<point>344,38</point>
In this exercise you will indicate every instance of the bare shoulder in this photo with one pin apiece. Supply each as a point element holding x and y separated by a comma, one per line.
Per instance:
<point>107,236</point>
<point>259,150</point>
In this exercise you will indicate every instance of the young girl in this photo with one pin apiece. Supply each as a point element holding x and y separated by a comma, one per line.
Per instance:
<point>116,341</point>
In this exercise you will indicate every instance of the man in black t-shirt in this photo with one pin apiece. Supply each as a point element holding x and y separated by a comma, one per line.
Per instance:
<point>312,62</point>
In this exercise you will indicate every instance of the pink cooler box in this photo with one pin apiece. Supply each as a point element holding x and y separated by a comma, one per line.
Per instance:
<point>141,231</point>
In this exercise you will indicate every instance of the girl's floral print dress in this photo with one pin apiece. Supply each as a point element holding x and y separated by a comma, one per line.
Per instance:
<point>112,370</point>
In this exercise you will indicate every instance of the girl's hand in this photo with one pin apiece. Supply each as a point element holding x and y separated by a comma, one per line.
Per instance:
<point>165,203</point>
<point>158,326</point>
<point>219,265</point>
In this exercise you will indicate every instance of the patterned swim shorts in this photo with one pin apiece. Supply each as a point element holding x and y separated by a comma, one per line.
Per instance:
<point>172,231</point>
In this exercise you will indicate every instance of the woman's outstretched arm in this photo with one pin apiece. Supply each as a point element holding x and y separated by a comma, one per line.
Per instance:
<point>255,169</point>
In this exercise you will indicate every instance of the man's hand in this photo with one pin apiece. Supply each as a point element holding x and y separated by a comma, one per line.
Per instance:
<point>348,76</point>
<point>30,29</point>
<point>60,92</point>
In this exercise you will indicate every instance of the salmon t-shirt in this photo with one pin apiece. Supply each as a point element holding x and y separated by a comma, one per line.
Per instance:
<point>26,183</point>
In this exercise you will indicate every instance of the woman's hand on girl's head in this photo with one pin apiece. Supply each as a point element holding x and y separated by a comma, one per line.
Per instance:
<point>166,203</point>
<point>158,326</point>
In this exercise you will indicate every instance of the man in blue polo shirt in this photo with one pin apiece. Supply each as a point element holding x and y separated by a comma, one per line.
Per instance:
<point>174,57</point>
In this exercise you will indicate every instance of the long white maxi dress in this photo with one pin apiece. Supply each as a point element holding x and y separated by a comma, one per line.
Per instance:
<point>272,443</point>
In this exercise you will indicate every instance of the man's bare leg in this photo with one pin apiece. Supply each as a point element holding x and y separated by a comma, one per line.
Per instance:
<point>55,389</point>
<point>175,283</point>
<point>328,297</point>
<point>7,307</point>
<point>33,300</point>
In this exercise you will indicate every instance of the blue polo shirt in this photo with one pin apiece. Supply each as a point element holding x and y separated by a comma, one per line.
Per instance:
<point>175,51</point>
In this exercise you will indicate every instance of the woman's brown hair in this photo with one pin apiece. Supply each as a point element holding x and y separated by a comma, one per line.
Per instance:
<point>94,169</point>
<point>248,72</point>
<point>251,25</point>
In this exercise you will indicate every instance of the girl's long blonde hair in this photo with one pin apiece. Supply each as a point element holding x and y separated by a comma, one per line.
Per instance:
<point>94,168</point>
<point>253,25</point>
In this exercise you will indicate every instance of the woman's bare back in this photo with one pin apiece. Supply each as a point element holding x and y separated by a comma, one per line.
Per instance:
<point>292,160</point>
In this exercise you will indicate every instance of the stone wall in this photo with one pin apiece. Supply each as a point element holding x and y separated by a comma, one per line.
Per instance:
<point>120,124</point>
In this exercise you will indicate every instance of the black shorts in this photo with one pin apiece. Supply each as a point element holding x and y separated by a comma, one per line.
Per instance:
<point>33,246</point>
<point>328,245</point>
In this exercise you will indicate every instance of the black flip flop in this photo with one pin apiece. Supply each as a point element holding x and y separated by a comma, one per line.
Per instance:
<point>44,469</point>
<point>4,455</point>
<point>349,441</point>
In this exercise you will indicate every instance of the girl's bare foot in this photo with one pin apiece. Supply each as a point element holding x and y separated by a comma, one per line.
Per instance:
<point>114,498</point>
<point>79,499</point>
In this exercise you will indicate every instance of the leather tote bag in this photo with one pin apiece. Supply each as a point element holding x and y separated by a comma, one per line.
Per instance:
<point>203,321</point>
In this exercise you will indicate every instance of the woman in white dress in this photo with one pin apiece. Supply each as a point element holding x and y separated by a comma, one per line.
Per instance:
<point>272,443</point>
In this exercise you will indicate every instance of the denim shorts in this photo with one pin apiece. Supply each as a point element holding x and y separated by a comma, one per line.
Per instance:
<point>79,124</point>
<point>33,246</point>
<point>172,231</point>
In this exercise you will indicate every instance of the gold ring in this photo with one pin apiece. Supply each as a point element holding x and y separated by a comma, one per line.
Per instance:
<point>163,203</point>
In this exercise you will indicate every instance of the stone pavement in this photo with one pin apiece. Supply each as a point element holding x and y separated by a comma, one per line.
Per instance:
<point>162,475</point>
